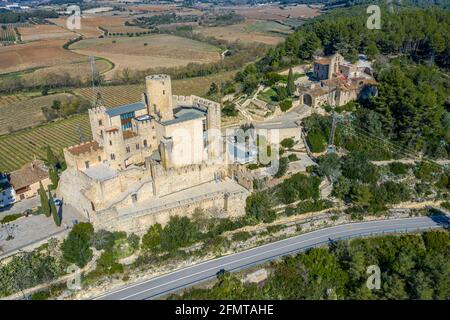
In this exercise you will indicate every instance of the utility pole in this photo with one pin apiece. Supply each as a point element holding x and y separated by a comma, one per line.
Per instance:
<point>97,99</point>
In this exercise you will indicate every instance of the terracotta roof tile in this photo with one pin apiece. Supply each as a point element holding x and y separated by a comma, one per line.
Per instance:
<point>83,148</point>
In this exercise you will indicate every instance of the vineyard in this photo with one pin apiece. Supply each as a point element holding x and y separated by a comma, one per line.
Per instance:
<point>16,113</point>
<point>7,34</point>
<point>12,98</point>
<point>19,148</point>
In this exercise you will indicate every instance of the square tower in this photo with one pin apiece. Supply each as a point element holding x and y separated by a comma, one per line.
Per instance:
<point>159,96</point>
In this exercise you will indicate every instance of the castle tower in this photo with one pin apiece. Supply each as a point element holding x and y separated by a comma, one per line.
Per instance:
<point>214,134</point>
<point>159,96</point>
<point>99,122</point>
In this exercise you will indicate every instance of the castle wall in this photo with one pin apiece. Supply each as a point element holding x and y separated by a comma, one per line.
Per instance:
<point>176,179</point>
<point>233,204</point>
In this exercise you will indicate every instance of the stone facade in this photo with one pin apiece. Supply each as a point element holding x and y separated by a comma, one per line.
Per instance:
<point>336,82</point>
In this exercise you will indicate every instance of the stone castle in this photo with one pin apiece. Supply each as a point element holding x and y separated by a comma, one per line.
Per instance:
<point>150,160</point>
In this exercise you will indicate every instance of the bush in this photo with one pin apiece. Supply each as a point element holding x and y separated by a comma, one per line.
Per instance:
<point>398,168</point>
<point>292,157</point>
<point>316,142</point>
<point>258,205</point>
<point>10,217</point>
<point>242,236</point>
<point>152,239</point>
<point>298,187</point>
<point>76,247</point>
<point>285,105</point>
<point>275,228</point>
<point>288,143</point>
<point>282,167</point>
<point>446,205</point>
<point>229,109</point>
<point>179,232</point>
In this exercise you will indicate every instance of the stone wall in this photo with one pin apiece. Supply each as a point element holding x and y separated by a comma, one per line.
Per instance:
<point>233,204</point>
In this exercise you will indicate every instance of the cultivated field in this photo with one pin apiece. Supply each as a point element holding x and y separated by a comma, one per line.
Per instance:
<point>44,32</point>
<point>141,53</point>
<point>114,96</point>
<point>124,29</point>
<point>275,12</point>
<point>25,113</point>
<point>13,98</point>
<point>90,24</point>
<point>19,148</point>
<point>267,32</point>
<point>36,54</point>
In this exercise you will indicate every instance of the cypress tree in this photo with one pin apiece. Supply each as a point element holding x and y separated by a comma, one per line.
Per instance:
<point>44,200</point>
<point>290,83</point>
<point>53,209</point>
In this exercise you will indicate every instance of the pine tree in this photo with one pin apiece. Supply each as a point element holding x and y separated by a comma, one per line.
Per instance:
<point>53,209</point>
<point>290,83</point>
<point>44,200</point>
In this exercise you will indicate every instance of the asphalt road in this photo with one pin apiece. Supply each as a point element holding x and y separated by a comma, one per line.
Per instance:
<point>153,288</point>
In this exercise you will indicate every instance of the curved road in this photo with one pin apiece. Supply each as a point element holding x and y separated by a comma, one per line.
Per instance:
<point>152,288</point>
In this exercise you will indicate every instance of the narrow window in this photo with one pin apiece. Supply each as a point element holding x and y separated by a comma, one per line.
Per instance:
<point>145,143</point>
<point>100,122</point>
<point>137,146</point>
<point>86,163</point>
<point>110,142</point>
<point>113,156</point>
<point>128,149</point>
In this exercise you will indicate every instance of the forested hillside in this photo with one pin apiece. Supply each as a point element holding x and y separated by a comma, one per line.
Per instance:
<point>412,54</point>
<point>412,267</point>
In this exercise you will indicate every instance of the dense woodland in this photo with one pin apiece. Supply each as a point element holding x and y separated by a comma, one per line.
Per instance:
<point>7,16</point>
<point>412,267</point>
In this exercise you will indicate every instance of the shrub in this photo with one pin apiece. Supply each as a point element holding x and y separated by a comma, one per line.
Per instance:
<point>316,142</point>
<point>241,236</point>
<point>152,239</point>
<point>446,205</point>
<point>282,167</point>
<point>10,217</point>
<point>258,205</point>
<point>288,143</point>
<point>285,105</point>
<point>398,168</point>
<point>179,232</point>
<point>274,229</point>
<point>76,247</point>
<point>292,157</point>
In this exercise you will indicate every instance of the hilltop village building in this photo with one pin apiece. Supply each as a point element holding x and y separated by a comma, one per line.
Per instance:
<point>150,160</point>
<point>336,82</point>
